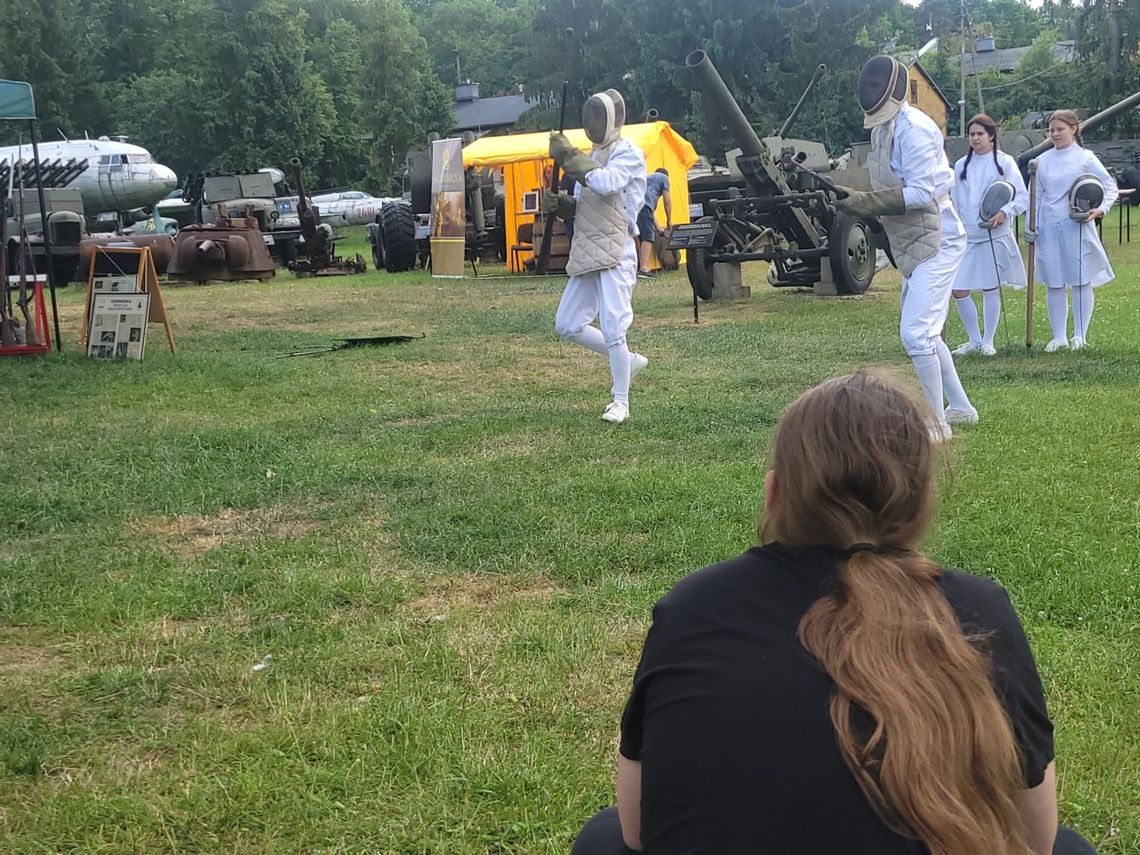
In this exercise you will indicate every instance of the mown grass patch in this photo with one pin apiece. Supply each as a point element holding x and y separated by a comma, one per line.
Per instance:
<point>390,599</point>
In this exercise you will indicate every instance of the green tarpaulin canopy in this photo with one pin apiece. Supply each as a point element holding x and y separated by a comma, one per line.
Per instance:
<point>16,100</point>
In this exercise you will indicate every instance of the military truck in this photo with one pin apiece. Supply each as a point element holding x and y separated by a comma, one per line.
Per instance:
<point>263,196</point>
<point>66,226</point>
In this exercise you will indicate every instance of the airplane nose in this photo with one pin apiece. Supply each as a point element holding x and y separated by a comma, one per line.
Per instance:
<point>165,176</point>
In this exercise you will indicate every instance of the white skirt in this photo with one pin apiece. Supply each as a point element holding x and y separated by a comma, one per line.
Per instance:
<point>977,270</point>
<point>1060,265</point>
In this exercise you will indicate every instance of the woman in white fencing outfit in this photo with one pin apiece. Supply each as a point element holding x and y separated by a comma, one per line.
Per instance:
<point>1069,252</point>
<point>992,258</point>
<point>603,254</point>
<point>911,181</point>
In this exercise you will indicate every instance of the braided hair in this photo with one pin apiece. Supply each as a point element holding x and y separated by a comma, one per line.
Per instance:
<point>991,128</point>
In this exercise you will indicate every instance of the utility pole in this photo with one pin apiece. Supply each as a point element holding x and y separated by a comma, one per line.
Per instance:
<point>962,68</point>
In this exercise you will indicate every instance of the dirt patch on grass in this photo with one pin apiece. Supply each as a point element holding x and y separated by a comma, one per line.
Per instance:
<point>20,661</point>
<point>191,535</point>
<point>470,590</point>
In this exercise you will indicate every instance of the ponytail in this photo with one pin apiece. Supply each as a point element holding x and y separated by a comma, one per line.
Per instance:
<point>942,771</point>
<point>916,716</point>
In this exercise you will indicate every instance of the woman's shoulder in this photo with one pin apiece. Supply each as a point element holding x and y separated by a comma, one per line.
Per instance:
<point>981,604</point>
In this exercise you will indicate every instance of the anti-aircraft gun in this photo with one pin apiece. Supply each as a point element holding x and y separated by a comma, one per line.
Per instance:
<point>779,210</point>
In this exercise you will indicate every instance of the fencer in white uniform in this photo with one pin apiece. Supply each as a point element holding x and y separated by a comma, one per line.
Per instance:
<point>1069,253</point>
<point>911,181</point>
<point>603,254</point>
<point>992,258</point>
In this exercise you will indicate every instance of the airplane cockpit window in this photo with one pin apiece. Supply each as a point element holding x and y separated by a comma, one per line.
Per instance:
<point>104,159</point>
<point>353,195</point>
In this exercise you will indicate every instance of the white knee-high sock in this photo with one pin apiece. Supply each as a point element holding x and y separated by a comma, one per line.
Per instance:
<point>926,366</point>
<point>619,370</point>
<point>1058,304</point>
<point>591,338</point>
<point>951,385</point>
<point>991,314</point>
<point>1082,310</point>
<point>969,313</point>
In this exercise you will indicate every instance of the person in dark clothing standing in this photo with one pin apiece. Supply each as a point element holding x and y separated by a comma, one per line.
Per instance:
<point>833,689</point>
<point>656,189</point>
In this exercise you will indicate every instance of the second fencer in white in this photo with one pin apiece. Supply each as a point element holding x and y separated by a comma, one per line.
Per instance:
<point>603,255</point>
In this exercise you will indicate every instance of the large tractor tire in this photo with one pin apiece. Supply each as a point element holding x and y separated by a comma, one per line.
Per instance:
<point>396,238</point>
<point>851,247</point>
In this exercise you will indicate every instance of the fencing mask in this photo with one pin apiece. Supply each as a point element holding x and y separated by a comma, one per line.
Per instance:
<point>1086,194</point>
<point>603,114</point>
<point>997,196</point>
<point>882,89</point>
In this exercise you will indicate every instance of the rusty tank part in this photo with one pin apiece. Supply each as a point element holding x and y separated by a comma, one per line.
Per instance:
<point>229,248</point>
<point>161,249</point>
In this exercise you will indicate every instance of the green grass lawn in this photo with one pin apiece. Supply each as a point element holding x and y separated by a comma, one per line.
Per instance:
<point>390,600</point>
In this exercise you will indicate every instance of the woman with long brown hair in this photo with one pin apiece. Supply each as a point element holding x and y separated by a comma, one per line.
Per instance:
<point>833,690</point>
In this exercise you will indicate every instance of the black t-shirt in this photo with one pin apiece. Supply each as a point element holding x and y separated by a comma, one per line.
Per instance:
<point>729,714</point>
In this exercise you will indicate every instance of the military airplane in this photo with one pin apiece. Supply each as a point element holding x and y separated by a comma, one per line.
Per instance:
<point>348,207</point>
<point>119,176</point>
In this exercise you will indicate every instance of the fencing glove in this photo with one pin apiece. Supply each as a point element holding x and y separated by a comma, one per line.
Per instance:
<point>875,204</point>
<point>561,204</point>
<point>1030,237</point>
<point>569,159</point>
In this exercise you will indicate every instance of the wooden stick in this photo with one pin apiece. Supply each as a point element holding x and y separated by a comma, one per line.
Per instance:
<point>1032,254</point>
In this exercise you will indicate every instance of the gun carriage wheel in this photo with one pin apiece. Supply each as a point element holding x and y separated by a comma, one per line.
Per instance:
<point>852,250</point>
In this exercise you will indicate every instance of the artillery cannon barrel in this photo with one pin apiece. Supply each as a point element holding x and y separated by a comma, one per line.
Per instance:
<point>820,70</point>
<point>1089,124</point>
<point>305,214</point>
<point>724,105</point>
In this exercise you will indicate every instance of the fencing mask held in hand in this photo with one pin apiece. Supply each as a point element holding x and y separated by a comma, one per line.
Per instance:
<point>882,89</point>
<point>997,196</point>
<point>1086,194</point>
<point>603,114</point>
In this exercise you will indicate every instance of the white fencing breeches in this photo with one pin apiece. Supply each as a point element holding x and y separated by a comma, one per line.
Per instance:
<point>605,296</point>
<point>926,292</point>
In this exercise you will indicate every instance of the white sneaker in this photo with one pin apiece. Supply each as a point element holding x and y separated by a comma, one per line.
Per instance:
<point>987,350</point>
<point>616,412</point>
<point>1077,342</point>
<point>967,348</point>
<point>955,416</point>
<point>1056,344</point>
<point>637,362</point>
<point>940,432</point>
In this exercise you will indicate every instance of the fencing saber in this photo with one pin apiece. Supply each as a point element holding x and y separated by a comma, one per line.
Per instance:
<point>542,263</point>
<point>997,196</point>
<point>1032,254</point>
<point>1085,196</point>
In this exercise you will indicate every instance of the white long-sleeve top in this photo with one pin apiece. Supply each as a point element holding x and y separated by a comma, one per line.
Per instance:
<point>1057,169</point>
<point>623,173</point>
<point>918,158</point>
<point>967,195</point>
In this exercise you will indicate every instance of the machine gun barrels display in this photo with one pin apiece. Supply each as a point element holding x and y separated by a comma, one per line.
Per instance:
<point>53,173</point>
<point>782,214</point>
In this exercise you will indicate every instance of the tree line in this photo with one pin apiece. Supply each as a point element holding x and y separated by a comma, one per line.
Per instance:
<point>349,86</point>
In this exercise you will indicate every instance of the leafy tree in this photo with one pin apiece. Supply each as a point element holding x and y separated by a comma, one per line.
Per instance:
<point>401,96</point>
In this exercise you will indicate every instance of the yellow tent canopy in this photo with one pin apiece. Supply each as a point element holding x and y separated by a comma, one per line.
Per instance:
<point>523,157</point>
